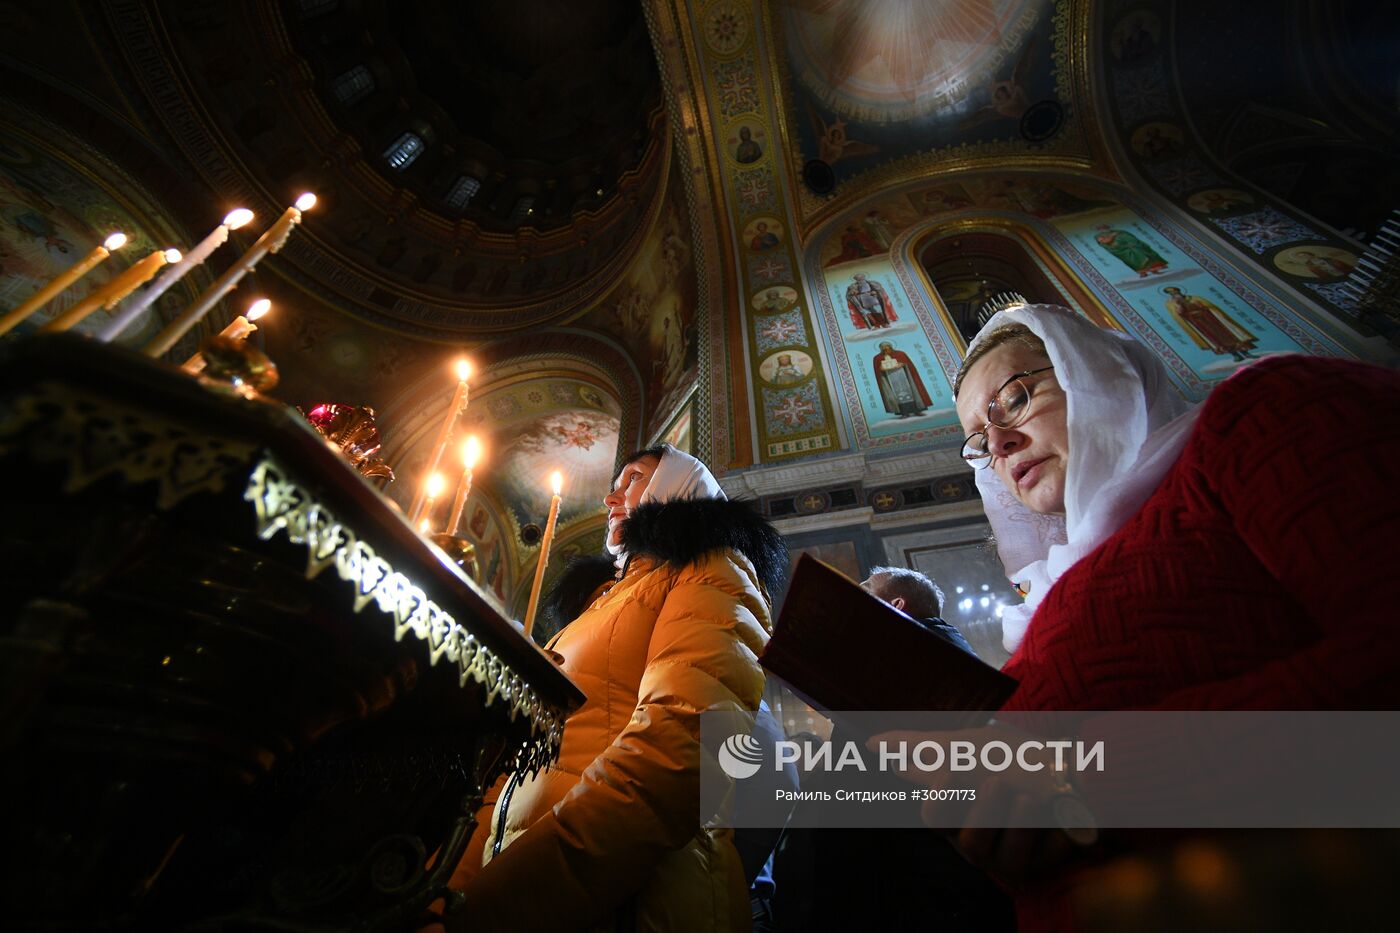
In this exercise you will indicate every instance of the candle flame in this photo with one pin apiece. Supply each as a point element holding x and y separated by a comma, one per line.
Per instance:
<point>556,481</point>
<point>423,526</point>
<point>464,369</point>
<point>306,202</point>
<point>115,241</point>
<point>471,451</point>
<point>258,308</point>
<point>173,255</point>
<point>436,484</point>
<point>237,218</point>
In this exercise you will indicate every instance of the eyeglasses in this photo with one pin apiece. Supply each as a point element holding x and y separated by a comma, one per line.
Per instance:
<point>1008,407</point>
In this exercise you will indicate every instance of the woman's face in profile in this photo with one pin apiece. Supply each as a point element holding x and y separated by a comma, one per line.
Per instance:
<point>1031,458</point>
<point>626,494</point>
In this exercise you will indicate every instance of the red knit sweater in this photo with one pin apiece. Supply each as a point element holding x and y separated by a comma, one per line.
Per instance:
<point>1260,573</point>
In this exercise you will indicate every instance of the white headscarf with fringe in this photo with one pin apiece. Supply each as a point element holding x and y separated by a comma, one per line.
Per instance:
<point>1127,426</point>
<point>677,476</point>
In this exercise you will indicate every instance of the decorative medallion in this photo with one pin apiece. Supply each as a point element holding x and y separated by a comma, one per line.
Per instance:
<point>726,28</point>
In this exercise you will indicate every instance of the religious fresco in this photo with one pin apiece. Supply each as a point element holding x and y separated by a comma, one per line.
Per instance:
<point>1150,122</point>
<point>1187,313</point>
<point>876,83</point>
<point>533,427</point>
<point>871,230</point>
<point>889,359</point>
<point>652,312</point>
<point>895,354</point>
<point>794,415</point>
<point>54,209</point>
<point>482,527</point>
<point>680,434</point>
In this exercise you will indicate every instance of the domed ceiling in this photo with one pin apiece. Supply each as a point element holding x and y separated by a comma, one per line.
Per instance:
<point>483,168</point>
<point>881,92</point>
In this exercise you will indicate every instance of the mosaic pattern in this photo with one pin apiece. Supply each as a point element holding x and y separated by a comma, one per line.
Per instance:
<point>1182,175</point>
<point>726,28</point>
<point>1137,51</point>
<point>769,270</point>
<point>780,331</point>
<point>737,85</point>
<point>1264,229</point>
<point>1336,293</point>
<point>1142,93</point>
<point>792,420</point>
<point>755,190</point>
<point>792,411</point>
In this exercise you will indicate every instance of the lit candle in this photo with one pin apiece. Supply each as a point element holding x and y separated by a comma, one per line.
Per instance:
<point>175,273</point>
<point>471,452</point>
<point>114,291</point>
<point>556,480</point>
<point>271,241</point>
<point>433,487</point>
<point>459,404</point>
<point>238,329</point>
<point>70,275</point>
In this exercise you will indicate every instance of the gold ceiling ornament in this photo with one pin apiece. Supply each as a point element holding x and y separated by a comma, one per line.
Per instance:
<point>282,505</point>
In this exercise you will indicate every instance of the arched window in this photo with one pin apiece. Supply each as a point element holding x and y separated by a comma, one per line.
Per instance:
<point>525,207</point>
<point>462,192</point>
<point>404,151</point>
<point>353,86</point>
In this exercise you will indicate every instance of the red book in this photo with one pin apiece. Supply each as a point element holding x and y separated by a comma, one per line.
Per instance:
<point>840,648</point>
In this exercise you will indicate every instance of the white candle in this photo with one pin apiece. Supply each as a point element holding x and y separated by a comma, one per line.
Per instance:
<point>270,242</point>
<point>175,273</point>
<point>434,487</point>
<point>556,480</point>
<point>240,328</point>
<point>471,452</point>
<point>458,405</point>
<point>114,291</point>
<point>60,282</point>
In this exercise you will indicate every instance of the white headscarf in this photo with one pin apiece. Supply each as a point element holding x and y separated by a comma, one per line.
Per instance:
<point>1127,426</point>
<point>677,476</point>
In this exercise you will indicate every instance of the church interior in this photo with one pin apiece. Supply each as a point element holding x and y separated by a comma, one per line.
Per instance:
<point>554,232</point>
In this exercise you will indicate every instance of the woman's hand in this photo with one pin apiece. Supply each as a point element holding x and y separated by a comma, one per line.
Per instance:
<point>1012,827</point>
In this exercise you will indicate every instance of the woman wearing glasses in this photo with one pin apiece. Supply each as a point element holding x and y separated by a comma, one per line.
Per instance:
<point>1178,557</point>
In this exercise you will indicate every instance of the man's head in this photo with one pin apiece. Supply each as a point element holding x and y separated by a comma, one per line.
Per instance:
<point>907,590</point>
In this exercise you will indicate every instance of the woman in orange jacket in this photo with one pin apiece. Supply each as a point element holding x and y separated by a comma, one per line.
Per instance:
<point>610,837</point>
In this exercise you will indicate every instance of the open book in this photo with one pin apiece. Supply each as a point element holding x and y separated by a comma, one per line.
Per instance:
<point>840,648</point>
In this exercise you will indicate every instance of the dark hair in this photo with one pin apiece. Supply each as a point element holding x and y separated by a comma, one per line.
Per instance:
<point>922,597</point>
<point>657,451</point>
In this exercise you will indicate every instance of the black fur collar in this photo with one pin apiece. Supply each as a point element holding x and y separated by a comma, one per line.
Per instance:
<point>571,593</point>
<point>677,533</point>
<point>682,531</point>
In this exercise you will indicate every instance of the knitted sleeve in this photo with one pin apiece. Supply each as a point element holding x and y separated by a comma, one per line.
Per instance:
<point>1304,455</point>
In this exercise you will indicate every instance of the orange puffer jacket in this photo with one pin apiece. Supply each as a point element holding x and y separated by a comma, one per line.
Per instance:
<point>611,835</point>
